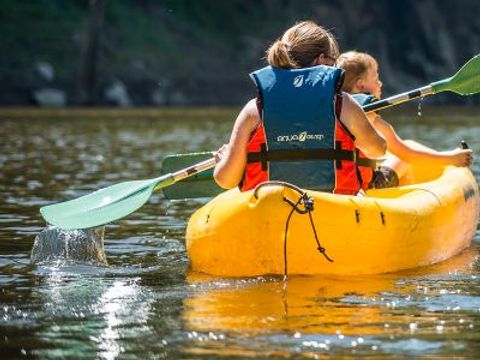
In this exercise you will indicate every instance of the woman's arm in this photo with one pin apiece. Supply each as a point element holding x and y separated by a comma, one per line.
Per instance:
<point>367,138</point>
<point>233,157</point>
<point>412,153</point>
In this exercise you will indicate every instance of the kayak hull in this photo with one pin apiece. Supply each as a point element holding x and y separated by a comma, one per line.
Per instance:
<point>388,230</point>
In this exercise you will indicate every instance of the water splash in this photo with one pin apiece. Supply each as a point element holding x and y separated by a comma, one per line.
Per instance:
<point>85,246</point>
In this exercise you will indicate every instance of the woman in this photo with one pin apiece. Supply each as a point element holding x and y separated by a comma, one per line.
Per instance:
<point>301,128</point>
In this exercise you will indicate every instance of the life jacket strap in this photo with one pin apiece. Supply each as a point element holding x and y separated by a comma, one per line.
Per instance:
<point>264,156</point>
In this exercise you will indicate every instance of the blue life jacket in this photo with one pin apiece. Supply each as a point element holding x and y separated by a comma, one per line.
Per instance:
<point>364,98</point>
<point>298,114</point>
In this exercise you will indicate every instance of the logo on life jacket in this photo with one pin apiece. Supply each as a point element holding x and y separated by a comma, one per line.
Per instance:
<point>298,81</point>
<point>300,137</point>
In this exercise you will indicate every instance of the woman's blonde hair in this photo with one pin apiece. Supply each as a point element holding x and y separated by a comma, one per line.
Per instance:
<point>356,65</point>
<point>300,45</point>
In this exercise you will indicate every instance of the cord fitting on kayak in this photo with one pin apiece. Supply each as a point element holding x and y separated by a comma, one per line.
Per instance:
<point>304,205</point>
<point>304,200</point>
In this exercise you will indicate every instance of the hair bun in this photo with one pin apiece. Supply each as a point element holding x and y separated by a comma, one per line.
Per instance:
<point>278,55</point>
<point>300,45</point>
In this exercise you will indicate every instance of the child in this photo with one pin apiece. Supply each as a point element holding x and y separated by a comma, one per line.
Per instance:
<point>362,80</point>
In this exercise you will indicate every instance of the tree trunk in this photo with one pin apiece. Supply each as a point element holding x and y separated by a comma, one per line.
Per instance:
<point>87,76</point>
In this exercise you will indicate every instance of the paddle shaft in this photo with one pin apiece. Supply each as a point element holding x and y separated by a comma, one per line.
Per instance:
<point>189,171</point>
<point>398,99</point>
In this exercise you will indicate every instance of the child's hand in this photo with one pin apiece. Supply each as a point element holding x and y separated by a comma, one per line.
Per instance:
<point>220,153</point>
<point>460,157</point>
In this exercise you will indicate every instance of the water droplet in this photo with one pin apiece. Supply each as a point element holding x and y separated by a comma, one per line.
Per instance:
<point>419,110</point>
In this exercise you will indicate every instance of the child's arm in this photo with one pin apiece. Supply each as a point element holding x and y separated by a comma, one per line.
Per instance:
<point>412,154</point>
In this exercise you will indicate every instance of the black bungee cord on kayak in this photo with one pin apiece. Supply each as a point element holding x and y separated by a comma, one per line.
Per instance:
<point>307,202</point>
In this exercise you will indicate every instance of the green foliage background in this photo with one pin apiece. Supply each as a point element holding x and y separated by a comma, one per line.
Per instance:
<point>199,52</point>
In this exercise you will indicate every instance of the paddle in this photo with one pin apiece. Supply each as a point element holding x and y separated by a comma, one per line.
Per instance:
<point>465,82</point>
<point>117,201</point>
<point>114,202</point>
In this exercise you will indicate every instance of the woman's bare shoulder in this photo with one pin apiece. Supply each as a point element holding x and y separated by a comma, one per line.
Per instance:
<point>249,114</point>
<point>251,108</point>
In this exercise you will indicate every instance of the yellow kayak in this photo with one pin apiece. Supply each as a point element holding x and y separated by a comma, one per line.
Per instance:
<point>259,232</point>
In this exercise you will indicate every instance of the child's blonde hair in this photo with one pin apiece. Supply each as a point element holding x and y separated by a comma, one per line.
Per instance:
<point>356,65</point>
<point>300,45</point>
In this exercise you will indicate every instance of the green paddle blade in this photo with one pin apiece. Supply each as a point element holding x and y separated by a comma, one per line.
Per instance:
<point>197,186</point>
<point>465,82</point>
<point>103,206</point>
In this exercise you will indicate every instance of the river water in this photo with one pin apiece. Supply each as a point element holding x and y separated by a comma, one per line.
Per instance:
<point>147,304</point>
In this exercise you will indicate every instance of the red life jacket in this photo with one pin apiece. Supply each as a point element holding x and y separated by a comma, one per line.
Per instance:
<point>350,176</point>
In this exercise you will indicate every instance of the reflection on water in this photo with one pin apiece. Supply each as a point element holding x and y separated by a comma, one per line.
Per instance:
<point>377,313</point>
<point>146,304</point>
<point>97,315</point>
